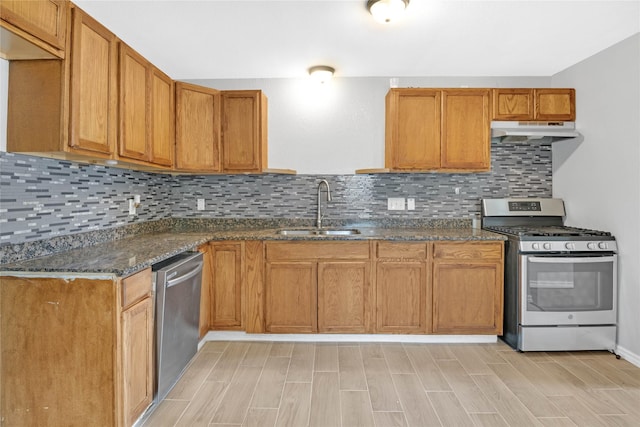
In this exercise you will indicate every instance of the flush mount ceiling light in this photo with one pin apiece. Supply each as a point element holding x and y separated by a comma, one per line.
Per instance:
<point>321,73</point>
<point>386,11</point>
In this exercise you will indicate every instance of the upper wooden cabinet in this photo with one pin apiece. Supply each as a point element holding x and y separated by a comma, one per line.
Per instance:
<point>73,102</point>
<point>220,131</point>
<point>145,111</point>
<point>534,104</point>
<point>244,131</point>
<point>197,128</point>
<point>33,29</point>
<point>438,129</point>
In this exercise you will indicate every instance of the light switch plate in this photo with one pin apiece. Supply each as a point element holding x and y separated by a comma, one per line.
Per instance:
<point>200,204</point>
<point>395,203</point>
<point>411,204</point>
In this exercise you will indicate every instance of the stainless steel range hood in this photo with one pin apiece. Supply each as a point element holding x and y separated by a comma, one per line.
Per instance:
<point>533,131</point>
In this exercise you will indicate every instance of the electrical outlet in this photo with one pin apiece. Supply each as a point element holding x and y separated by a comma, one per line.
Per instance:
<point>200,204</point>
<point>411,204</point>
<point>395,203</point>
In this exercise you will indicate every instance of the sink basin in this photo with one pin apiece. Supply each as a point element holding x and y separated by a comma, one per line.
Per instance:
<point>319,232</point>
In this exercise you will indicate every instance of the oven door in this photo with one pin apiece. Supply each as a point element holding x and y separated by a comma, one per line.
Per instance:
<point>568,289</point>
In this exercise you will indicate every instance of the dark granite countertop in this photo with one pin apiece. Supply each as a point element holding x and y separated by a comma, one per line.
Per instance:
<point>128,255</point>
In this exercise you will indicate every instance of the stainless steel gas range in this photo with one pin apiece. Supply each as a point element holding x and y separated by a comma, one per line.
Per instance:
<point>560,282</point>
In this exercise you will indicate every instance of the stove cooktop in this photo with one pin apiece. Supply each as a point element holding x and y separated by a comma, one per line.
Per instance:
<point>550,232</point>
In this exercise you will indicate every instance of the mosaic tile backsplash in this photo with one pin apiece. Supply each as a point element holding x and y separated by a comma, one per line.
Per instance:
<point>43,198</point>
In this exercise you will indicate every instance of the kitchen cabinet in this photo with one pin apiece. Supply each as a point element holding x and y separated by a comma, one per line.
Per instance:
<point>226,285</point>
<point>197,128</point>
<point>244,131</point>
<point>73,101</point>
<point>76,347</point>
<point>551,104</point>
<point>34,29</point>
<point>437,130</point>
<point>145,111</point>
<point>205,289</point>
<point>467,287</point>
<point>402,289</point>
<point>317,287</point>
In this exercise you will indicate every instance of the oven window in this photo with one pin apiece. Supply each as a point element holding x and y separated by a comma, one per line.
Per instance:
<point>569,285</point>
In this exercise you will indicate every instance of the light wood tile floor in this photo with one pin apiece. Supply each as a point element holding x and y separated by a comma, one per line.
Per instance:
<point>305,384</point>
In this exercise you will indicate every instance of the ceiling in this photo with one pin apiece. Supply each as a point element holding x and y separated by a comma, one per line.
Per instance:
<point>221,39</point>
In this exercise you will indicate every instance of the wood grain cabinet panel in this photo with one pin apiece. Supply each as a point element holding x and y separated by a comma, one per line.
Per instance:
<point>401,293</point>
<point>343,297</point>
<point>244,131</point>
<point>468,287</point>
<point>466,133</point>
<point>38,22</point>
<point>146,111</point>
<point>524,104</point>
<point>437,129</point>
<point>93,87</point>
<point>72,352</point>
<point>291,297</point>
<point>555,104</point>
<point>205,289</point>
<point>402,288</point>
<point>197,128</point>
<point>226,286</point>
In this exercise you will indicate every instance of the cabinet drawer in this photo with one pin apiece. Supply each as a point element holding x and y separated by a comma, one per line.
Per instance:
<point>317,250</point>
<point>402,250</point>
<point>466,250</point>
<point>136,287</point>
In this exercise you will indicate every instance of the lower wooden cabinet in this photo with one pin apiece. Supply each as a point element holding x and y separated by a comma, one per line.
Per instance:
<point>76,349</point>
<point>221,301</point>
<point>467,288</point>
<point>402,288</point>
<point>317,287</point>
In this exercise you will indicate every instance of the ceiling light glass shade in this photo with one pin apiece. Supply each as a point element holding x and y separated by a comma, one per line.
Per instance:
<point>386,11</point>
<point>321,73</point>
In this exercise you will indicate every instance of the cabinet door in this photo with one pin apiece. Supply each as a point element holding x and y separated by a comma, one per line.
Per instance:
<point>137,359</point>
<point>466,298</point>
<point>226,285</point>
<point>93,87</point>
<point>133,141</point>
<point>43,19</point>
<point>468,287</point>
<point>244,131</point>
<point>197,128</point>
<point>205,289</point>
<point>291,297</point>
<point>343,297</point>
<point>412,130</point>
<point>401,293</point>
<point>555,104</point>
<point>466,129</point>
<point>513,104</point>
<point>162,118</point>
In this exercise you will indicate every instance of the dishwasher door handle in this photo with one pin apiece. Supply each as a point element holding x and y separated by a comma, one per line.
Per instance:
<point>185,276</point>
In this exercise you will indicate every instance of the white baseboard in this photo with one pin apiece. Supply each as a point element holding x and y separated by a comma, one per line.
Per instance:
<point>628,355</point>
<point>427,339</point>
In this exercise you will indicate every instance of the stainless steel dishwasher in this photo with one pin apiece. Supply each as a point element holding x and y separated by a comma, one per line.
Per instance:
<point>177,282</point>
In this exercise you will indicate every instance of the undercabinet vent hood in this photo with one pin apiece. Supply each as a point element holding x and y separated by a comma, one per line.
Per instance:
<point>533,131</point>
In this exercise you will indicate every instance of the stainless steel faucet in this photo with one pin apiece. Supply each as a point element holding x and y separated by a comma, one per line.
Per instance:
<point>319,218</point>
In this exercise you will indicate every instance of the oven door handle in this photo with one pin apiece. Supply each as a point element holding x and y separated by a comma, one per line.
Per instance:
<point>569,260</point>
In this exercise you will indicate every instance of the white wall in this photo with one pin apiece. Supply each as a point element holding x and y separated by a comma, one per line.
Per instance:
<point>599,179</point>
<point>338,127</point>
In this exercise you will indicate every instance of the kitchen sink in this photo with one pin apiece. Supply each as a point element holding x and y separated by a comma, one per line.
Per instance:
<point>318,232</point>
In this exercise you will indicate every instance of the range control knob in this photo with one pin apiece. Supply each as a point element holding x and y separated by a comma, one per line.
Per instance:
<point>547,246</point>
<point>536,246</point>
<point>592,245</point>
<point>603,245</point>
<point>570,245</point>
